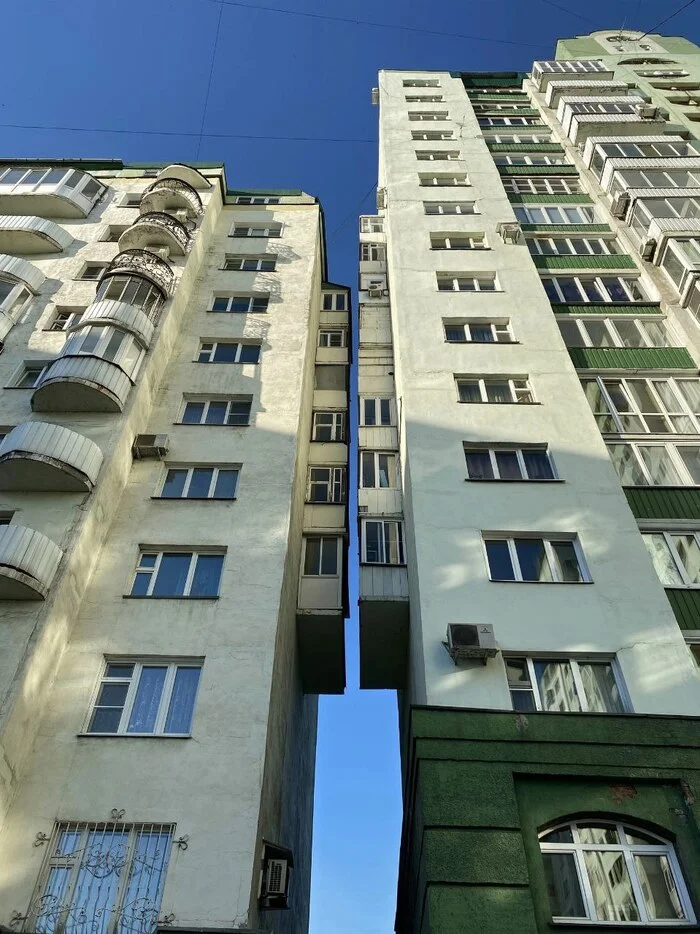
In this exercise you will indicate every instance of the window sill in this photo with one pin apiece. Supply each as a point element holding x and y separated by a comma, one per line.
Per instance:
<point>617,926</point>
<point>496,580</point>
<point>379,564</point>
<point>484,402</point>
<point>215,311</point>
<point>511,480</point>
<point>133,596</point>
<point>485,343</point>
<point>205,425</point>
<point>195,499</point>
<point>134,735</point>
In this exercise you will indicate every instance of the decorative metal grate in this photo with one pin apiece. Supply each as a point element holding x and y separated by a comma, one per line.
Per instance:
<point>144,263</point>
<point>177,186</point>
<point>102,878</point>
<point>167,222</point>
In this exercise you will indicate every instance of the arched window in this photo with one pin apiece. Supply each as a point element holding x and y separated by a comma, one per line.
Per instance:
<point>605,871</point>
<point>647,61</point>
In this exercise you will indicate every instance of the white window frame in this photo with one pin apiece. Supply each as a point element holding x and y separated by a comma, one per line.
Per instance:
<point>172,664</point>
<point>29,366</point>
<point>573,662</point>
<point>509,539</point>
<point>519,387</point>
<point>487,107</point>
<point>628,850</point>
<point>393,471</point>
<point>421,82</point>
<point>477,279</point>
<point>668,534</point>
<point>544,214</point>
<point>211,346</point>
<point>207,402</point>
<point>128,355</point>
<point>371,223</point>
<point>432,135</point>
<point>683,410</point>
<point>460,208</point>
<point>336,484</point>
<point>509,121</point>
<point>190,468</point>
<point>372,253</point>
<point>424,98</point>
<point>400,540</point>
<point>444,181</point>
<point>153,571</point>
<point>517,138</point>
<point>242,258</point>
<point>326,334</point>
<point>378,400</point>
<point>340,301</point>
<point>62,319</point>
<point>337,426</point>
<point>417,116</point>
<point>501,331</point>
<point>623,282</point>
<point>516,449</point>
<point>256,231</point>
<point>611,330</point>
<point>537,241</point>
<point>543,184</point>
<point>671,449</point>
<point>338,557</point>
<point>458,241</point>
<point>257,199</point>
<point>100,267</point>
<point>17,300</point>
<point>437,155</point>
<point>230,299</point>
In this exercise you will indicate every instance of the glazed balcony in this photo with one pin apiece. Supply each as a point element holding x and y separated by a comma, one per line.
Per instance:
<point>42,457</point>
<point>32,235</point>
<point>156,229</point>
<point>171,194</point>
<point>48,192</point>
<point>145,264</point>
<point>19,281</point>
<point>131,318</point>
<point>185,173</point>
<point>28,563</point>
<point>82,384</point>
<point>570,69</point>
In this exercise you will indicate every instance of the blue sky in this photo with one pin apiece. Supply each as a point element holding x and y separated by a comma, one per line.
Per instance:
<point>126,66</point>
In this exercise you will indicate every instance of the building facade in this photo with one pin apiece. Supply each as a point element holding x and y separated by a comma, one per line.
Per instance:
<point>529,475</point>
<point>172,551</point>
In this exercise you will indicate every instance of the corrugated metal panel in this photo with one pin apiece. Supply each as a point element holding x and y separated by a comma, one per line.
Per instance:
<point>43,228</point>
<point>381,502</point>
<point>537,169</point>
<point>32,555</point>
<point>59,445</point>
<point>389,583</point>
<point>632,358</point>
<point>566,228</point>
<point>124,316</point>
<point>550,199</point>
<point>606,308</point>
<point>18,268</point>
<point>110,384</point>
<point>524,147</point>
<point>686,606</point>
<point>620,261</point>
<point>664,502</point>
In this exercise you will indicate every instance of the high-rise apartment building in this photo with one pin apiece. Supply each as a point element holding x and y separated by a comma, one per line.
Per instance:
<point>529,475</point>
<point>172,553</point>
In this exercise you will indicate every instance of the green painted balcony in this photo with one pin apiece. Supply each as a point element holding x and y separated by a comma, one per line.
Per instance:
<point>566,228</point>
<point>537,170</point>
<point>607,308</point>
<point>524,147</point>
<point>686,607</point>
<point>632,358</point>
<point>613,261</point>
<point>550,199</point>
<point>664,502</point>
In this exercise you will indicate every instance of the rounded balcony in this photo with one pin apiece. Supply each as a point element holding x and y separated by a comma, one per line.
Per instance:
<point>171,194</point>
<point>19,281</point>
<point>156,229</point>
<point>185,173</point>
<point>82,384</point>
<point>131,318</point>
<point>28,563</point>
<point>32,235</point>
<point>38,456</point>
<point>46,191</point>
<point>142,263</point>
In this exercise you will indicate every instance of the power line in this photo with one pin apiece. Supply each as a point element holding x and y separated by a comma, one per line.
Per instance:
<point>571,13</point>
<point>211,74</point>
<point>664,21</point>
<point>87,129</point>
<point>352,214</point>
<point>363,22</point>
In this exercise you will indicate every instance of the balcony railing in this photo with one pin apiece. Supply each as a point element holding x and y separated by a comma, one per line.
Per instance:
<point>171,193</point>
<point>142,263</point>
<point>156,228</point>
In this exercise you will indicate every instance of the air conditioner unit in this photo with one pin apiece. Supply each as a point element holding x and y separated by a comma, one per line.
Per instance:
<point>274,877</point>
<point>362,509</point>
<point>375,291</point>
<point>150,446</point>
<point>509,231</point>
<point>648,248</point>
<point>381,199</point>
<point>470,640</point>
<point>619,205</point>
<point>646,111</point>
<point>375,96</point>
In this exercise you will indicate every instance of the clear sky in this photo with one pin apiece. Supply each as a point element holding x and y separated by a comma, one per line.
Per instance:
<point>110,68</point>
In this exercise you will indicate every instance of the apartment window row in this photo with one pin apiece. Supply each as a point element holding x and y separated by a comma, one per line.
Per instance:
<point>676,557</point>
<point>616,332</point>
<point>178,574</point>
<point>256,230</point>
<point>567,66</point>
<point>681,257</point>
<point>240,304</point>
<point>218,410</point>
<point>464,282</point>
<point>257,199</point>
<point>372,253</point>
<point>571,685</point>
<point>555,214</point>
<point>199,482</point>
<point>64,318</point>
<point>478,332</point>
<point>423,98</point>
<point>418,116</point>
<point>508,138</point>
<point>572,246</point>
<point>532,559</point>
<point>326,485</point>
<point>508,462</point>
<point>328,426</point>
<point>248,262</point>
<point>379,470</point>
<point>450,207</point>
<point>332,337</point>
<point>494,107</point>
<point>656,464</point>
<point>644,405</point>
<point>658,178</point>
<point>229,352</point>
<point>335,301</point>
<point>377,411</point>
<point>547,185</point>
<point>529,159</point>
<point>14,298</point>
<point>498,390</point>
<point>437,155</point>
<point>458,241</point>
<point>509,121</point>
<point>432,135</point>
<point>604,107</point>
<point>421,83</point>
<point>443,181</point>
<point>593,289</point>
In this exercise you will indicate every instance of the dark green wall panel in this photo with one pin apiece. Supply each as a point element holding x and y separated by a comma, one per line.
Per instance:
<point>474,856</point>
<point>664,502</point>
<point>566,228</point>
<point>632,358</point>
<point>478,910</point>
<point>549,199</point>
<point>618,261</point>
<point>686,605</point>
<point>537,169</point>
<point>606,308</point>
<point>524,147</point>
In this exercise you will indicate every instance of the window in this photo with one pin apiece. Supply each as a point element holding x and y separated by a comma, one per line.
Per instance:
<point>370,223</point>
<point>218,411</point>
<point>529,558</point>
<point>240,304</point>
<point>464,282</point>
<point>494,389</point>
<point>29,374</point>
<point>418,115</point>
<point>199,483</point>
<point>566,66</point>
<point>450,207</point>
<point>330,377</point>
<point>335,301</point>
<point>423,98</point>
<point>547,185</point>
<point>555,214</point>
<point>378,470</point>
<point>112,344</point>
<point>676,557</point>
<point>119,867</point>
<point>376,411</point>
<point>662,73</point>
<point>320,556</point>
<point>571,246</point>
<point>444,181</point>
<point>256,199</point>
<point>326,485</point>
<point>5,517</point>
<point>14,298</point>
<point>432,134</point>
<point>271,230</point>
<point>146,697</point>
<point>654,406</point>
<point>659,178</point>
<point>114,232</point>
<point>133,290</point>
<point>606,872</point>
<point>532,158</point>
<point>92,270</point>
<point>228,352</point>
<point>564,684</point>
<point>509,138</point>
<point>615,332</point>
<point>509,121</point>
<point>372,253</point>
<point>681,259</point>
<point>421,83</point>
<point>508,462</point>
<point>439,155</point>
<point>660,464</point>
<point>478,332</point>
<point>491,107</point>
<point>457,241</point>
<point>332,337</point>
<point>64,318</point>
<point>593,289</point>
<point>382,542</point>
<point>29,179</point>
<point>247,262</point>
<point>328,426</point>
<point>177,574</point>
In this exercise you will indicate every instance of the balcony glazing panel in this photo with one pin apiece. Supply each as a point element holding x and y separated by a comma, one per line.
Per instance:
<point>38,456</point>
<point>129,318</point>
<point>28,563</point>
<point>82,384</point>
<point>142,263</point>
<point>48,192</point>
<point>28,234</point>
